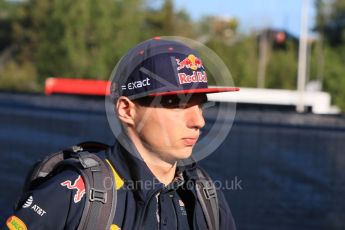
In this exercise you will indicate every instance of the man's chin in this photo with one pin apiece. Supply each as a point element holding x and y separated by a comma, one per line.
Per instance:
<point>184,153</point>
<point>176,155</point>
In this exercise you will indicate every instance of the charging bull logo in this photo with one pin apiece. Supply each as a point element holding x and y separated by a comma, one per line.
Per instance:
<point>190,62</point>
<point>195,64</point>
<point>77,185</point>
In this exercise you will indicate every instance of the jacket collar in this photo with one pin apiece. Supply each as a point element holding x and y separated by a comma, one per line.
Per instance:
<point>136,174</point>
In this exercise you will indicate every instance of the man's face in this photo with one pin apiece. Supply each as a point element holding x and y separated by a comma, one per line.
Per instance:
<point>169,126</point>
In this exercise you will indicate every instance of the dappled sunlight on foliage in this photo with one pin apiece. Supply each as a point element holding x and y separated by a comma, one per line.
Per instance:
<point>85,39</point>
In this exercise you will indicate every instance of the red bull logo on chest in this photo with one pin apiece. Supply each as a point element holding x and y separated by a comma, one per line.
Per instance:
<point>78,185</point>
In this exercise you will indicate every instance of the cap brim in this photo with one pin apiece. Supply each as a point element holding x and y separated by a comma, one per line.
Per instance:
<point>194,91</point>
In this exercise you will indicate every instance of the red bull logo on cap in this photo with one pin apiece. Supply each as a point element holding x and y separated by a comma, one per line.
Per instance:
<point>193,63</point>
<point>197,76</point>
<point>78,185</point>
<point>190,62</point>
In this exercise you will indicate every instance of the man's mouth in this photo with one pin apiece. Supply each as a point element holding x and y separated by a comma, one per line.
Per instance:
<point>190,141</point>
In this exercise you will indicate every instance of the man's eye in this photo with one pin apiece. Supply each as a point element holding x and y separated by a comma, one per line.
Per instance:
<point>171,102</point>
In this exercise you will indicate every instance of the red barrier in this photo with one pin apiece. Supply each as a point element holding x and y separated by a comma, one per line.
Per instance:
<point>76,86</point>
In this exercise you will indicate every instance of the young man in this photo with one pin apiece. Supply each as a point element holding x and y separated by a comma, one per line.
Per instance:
<point>158,89</point>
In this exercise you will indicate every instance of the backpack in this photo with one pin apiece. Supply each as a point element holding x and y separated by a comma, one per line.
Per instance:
<point>100,202</point>
<point>101,198</point>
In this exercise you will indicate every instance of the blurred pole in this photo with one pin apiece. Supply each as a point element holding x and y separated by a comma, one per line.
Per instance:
<point>320,60</point>
<point>302,55</point>
<point>263,59</point>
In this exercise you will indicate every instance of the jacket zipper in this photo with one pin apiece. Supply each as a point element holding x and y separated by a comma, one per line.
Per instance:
<point>145,208</point>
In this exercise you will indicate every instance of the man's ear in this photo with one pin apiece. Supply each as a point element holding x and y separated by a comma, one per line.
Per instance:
<point>126,110</point>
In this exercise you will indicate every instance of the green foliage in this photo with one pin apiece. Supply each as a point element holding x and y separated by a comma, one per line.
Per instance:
<point>282,68</point>
<point>80,38</point>
<point>19,77</point>
<point>334,70</point>
<point>167,22</point>
<point>328,61</point>
<point>241,59</point>
<point>330,21</point>
<point>7,17</point>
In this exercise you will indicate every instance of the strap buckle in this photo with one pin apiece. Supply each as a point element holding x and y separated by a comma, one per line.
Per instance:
<point>89,162</point>
<point>98,195</point>
<point>209,192</point>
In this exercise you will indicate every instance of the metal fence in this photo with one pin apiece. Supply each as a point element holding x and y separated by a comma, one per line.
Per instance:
<point>281,170</point>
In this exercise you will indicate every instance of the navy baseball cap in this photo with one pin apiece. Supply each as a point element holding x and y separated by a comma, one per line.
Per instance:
<point>159,67</point>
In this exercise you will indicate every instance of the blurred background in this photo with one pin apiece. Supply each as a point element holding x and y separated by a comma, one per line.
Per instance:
<point>288,57</point>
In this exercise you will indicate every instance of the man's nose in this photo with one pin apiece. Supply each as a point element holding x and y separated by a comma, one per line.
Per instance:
<point>194,117</point>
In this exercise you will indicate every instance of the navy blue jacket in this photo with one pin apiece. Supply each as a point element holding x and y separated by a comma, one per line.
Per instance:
<point>143,202</point>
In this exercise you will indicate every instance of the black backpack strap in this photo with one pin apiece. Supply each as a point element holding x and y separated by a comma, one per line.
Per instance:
<point>38,173</point>
<point>208,199</point>
<point>100,201</point>
<point>101,196</point>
